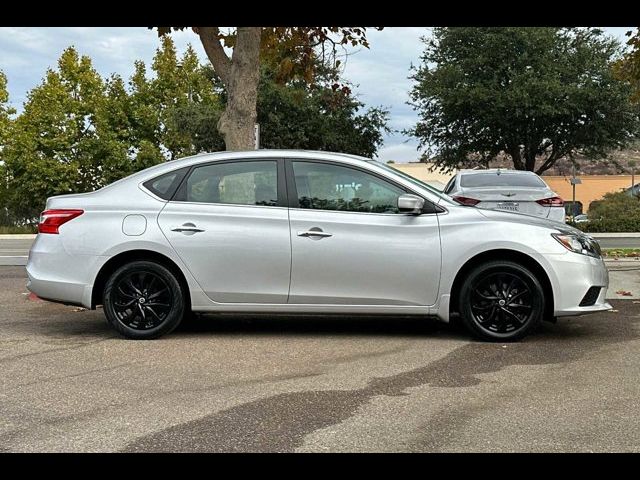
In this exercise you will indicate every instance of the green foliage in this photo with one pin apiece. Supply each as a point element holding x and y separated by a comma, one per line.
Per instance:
<point>628,67</point>
<point>55,144</point>
<point>5,126</point>
<point>535,94</point>
<point>5,111</point>
<point>12,229</point>
<point>616,212</point>
<point>610,225</point>
<point>79,132</point>
<point>320,117</point>
<point>291,53</point>
<point>293,115</point>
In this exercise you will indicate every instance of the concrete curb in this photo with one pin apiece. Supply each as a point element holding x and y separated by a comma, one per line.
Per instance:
<point>17,236</point>
<point>615,235</point>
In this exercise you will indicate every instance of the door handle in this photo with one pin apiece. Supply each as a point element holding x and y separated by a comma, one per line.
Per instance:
<point>187,227</point>
<point>315,233</point>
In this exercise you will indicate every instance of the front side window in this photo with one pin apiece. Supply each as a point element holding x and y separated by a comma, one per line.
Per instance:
<point>238,183</point>
<point>324,186</point>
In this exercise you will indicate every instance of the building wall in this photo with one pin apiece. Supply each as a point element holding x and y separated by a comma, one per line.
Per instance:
<point>421,171</point>
<point>593,187</point>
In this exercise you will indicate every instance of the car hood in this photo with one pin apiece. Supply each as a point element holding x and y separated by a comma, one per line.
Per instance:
<point>529,220</point>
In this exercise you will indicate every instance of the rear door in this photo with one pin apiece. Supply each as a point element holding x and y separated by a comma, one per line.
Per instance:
<point>229,223</point>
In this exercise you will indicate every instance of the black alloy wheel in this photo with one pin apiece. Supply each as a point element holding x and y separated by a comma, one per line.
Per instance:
<point>501,301</point>
<point>143,300</point>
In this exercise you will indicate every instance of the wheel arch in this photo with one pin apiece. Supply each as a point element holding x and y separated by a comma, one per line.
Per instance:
<point>134,255</point>
<point>504,254</point>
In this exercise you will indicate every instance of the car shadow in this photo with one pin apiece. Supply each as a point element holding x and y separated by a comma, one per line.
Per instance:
<point>71,324</point>
<point>232,324</point>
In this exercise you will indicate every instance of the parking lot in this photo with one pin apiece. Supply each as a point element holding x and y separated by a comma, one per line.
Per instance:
<point>239,383</point>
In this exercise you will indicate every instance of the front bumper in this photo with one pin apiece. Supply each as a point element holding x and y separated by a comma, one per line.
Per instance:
<point>574,275</point>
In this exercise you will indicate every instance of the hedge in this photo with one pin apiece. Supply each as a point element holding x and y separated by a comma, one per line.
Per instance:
<point>612,225</point>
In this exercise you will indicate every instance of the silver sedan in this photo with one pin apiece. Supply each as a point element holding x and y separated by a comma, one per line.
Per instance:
<point>507,190</point>
<point>305,232</point>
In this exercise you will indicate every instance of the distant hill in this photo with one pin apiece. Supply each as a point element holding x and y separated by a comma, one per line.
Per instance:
<point>616,164</point>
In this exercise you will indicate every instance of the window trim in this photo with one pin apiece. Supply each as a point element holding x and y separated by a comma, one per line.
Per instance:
<point>173,188</point>
<point>451,185</point>
<point>294,202</point>
<point>281,188</point>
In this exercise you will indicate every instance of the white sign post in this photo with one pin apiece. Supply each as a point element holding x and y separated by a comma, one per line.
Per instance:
<point>256,134</point>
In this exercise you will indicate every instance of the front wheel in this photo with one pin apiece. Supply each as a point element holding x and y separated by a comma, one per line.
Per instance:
<point>143,300</point>
<point>501,301</point>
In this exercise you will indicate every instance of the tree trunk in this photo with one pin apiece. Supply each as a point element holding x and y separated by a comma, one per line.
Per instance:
<point>237,122</point>
<point>240,75</point>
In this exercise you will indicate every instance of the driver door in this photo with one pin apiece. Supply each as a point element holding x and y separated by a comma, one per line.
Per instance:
<point>351,245</point>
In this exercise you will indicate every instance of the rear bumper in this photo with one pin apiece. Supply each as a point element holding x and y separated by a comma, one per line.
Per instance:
<point>55,275</point>
<point>63,292</point>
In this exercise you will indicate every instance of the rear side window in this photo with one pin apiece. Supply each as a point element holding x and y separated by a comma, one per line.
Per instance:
<point>236,183</point>
<point>505,179</point>
<point>166,185</point>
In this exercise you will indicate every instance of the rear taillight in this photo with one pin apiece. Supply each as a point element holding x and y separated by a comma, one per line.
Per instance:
<point>466,200</point>
<point>551,202</point>
<point>50,220</point>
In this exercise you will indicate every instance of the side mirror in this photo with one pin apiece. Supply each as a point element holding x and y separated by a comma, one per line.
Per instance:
<point>412,204</point>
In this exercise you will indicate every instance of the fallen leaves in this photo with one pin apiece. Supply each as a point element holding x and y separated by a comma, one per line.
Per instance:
<point>624,293</point>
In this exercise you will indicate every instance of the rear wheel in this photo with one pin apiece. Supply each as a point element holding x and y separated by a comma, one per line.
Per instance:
<point>501,301</point>
<point>143,300</point>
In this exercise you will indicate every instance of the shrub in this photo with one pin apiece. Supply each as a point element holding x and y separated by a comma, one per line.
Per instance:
<point>616,212</point>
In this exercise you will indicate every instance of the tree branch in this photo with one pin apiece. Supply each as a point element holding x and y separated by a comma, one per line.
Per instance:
<point>550,161</point>
<point>210,38</point>
<point>516,156</point>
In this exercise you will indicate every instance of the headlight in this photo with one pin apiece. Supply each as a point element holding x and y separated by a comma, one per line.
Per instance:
<point>578,244</point>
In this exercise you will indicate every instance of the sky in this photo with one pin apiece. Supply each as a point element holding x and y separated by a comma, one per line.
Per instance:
<point>380,73</point>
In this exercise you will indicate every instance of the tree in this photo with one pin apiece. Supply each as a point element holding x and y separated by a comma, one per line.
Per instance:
<point>533,95</point>
<point>5,111</point>
<point>240,73</point>
<point>628,67</point>
<point>157,105</point>
<point>53,148</point>
<point>79,132</point>
<point>5,124</point>
<point>295,114</point>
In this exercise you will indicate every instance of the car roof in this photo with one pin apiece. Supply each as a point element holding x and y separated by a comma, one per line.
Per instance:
<point>170,165</point>
<point>286,153</point>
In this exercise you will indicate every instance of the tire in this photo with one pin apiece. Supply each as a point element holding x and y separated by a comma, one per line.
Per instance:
<point>502,313</point>
<point>143,300</point>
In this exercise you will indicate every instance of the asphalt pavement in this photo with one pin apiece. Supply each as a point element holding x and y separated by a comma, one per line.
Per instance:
<point>297,384</point>
<point>14,249</point>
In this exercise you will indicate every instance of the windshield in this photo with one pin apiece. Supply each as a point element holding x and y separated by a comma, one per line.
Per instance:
<point>503,179</point>
<point>420,183</point>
